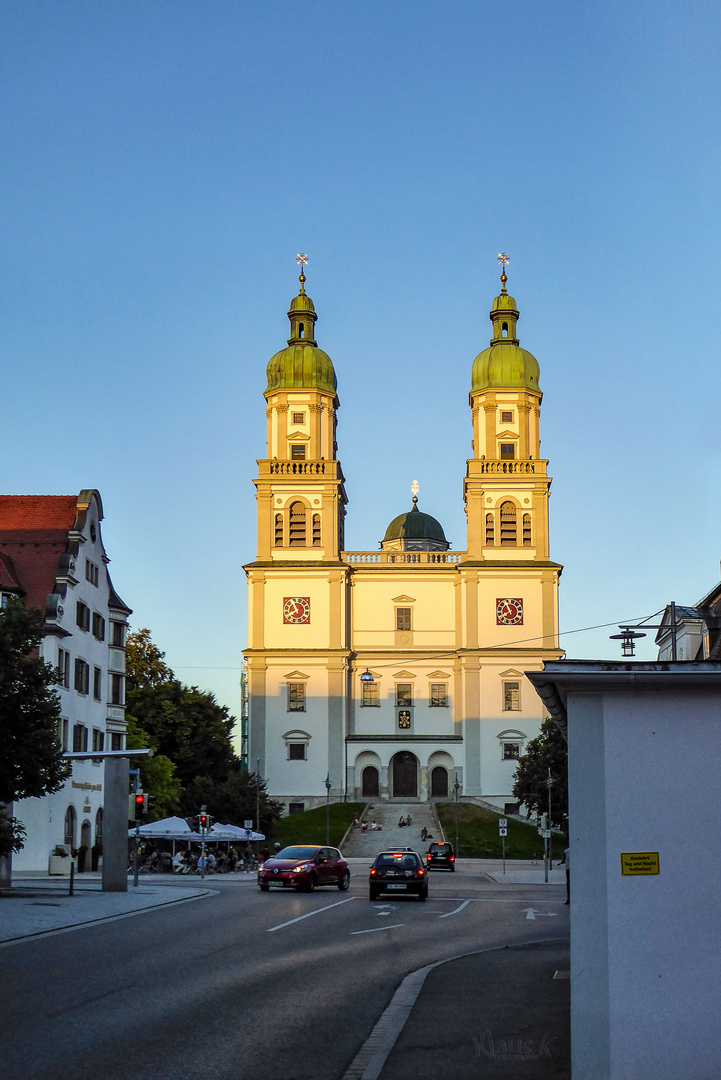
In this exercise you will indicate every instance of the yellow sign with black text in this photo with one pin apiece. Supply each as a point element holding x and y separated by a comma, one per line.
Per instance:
<point>634,863</point>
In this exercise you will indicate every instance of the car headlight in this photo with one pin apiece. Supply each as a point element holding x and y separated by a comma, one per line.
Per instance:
<point>302,868</point>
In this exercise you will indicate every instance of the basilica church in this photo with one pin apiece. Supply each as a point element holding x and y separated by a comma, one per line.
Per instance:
<point>398,673</point>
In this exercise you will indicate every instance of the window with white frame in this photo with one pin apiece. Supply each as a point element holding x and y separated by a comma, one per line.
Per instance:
<point>64,668</point>
<point>80,739</point>
<point>511,744</point>
<point>369,694</point>
<point>296,697</point>
<point>82,677</point>
<point>82,615</point>
<point>512,696</point>
<point>439,695</point>
<point>296,745</point>
<point>404,694</point>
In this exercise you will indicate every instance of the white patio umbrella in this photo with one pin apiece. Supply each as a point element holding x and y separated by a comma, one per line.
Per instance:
<point>233,833</point>
<point>171,828</point>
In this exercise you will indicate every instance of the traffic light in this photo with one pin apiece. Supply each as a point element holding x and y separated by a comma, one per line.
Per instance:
<point>141,804</point>
<point>543,826</point>
<point>203,821</point>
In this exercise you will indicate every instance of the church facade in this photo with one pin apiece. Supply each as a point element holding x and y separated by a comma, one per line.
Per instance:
<point>398,673</point>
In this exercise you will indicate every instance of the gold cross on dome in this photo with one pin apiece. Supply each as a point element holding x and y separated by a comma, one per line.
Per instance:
<point>301,258</point>
<point>414,488</point>
<point>503,258</point>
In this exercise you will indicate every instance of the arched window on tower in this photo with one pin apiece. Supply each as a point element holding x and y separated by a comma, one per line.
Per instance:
<point>504,330</point>
<point>508,523</point>
<point>490,530</point>
<point>278,539</point>
<point>296,535</point>
<point>301,330</point>
<point>316,530</point>
<point>526,530</point>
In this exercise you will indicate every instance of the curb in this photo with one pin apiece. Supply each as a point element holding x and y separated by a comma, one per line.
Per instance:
<point>370,1060</point>
<point>36,934</point>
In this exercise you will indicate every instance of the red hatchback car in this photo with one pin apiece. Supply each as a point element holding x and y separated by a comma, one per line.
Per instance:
<point>304,867</point>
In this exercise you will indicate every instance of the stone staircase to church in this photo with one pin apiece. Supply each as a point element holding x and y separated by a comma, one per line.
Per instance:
<point>360,845</point>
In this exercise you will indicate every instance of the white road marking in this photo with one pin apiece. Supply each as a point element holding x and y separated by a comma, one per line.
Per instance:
<point>376,929</point>
<point>318,911</point>
<point>385,909</point>
<point>455,911</point>
<point>531,913</point>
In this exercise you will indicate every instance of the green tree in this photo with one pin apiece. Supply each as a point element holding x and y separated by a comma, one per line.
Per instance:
<point>186,725</point>
<point>157,774</point>
<point>188,730</point>
<point>233,800</point>
<point>31,763</point>
<point>144,662</point>
<point>546,751</point>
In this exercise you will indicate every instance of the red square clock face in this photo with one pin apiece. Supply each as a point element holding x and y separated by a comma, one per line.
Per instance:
<point>509,611</point>
<point>296,609</point>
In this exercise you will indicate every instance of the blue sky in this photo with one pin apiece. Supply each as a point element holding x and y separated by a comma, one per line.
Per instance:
<point>164,161</point>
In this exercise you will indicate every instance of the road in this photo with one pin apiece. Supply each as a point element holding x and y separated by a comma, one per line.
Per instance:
<point>272,986</point>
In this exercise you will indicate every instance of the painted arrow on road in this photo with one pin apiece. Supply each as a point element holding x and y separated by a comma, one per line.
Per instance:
<point>531,913</point>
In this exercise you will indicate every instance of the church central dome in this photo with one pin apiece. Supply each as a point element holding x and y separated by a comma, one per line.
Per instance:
<point>414,531</point>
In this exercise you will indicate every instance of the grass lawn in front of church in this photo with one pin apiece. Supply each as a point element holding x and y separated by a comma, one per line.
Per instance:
<point>478,833</point>
<point>309,827</point>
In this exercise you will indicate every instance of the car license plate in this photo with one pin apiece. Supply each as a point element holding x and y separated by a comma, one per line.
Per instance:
<point>396,886</point>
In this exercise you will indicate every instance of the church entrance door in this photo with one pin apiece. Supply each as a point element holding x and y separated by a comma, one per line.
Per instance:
<point>370,782</point>
<point>439,783</point>
<point>405,775</point>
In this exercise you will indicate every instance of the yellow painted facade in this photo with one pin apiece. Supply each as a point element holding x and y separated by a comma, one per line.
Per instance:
<point>446,635</point>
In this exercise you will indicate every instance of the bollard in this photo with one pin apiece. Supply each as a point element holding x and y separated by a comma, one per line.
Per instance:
<point>72,876</point>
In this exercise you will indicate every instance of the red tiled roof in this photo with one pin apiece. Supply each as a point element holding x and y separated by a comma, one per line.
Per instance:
<point>33,532</point>
<point>22,513</point>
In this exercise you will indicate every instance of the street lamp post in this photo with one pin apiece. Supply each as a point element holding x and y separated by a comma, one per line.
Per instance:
<point>257,795</point>
<point>456,789</point>
<point>327,808</point>
<point>549,781</point>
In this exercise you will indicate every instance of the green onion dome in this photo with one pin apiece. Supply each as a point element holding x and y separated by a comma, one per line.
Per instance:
<point>302,364</point>
<point>505,364</point>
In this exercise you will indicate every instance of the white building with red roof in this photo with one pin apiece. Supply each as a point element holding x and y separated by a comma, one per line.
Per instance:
<point>52,557</point>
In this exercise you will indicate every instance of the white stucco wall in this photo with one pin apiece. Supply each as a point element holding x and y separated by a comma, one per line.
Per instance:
<point>645,951</point>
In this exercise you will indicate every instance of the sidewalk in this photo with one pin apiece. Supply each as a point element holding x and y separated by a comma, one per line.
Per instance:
<point>35,906</point>
<point>497,1014</point>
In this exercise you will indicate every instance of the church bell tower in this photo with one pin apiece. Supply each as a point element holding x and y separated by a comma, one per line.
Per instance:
<point>506,488</point>
<point>301,498</point>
